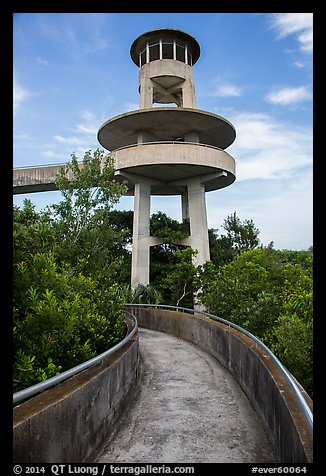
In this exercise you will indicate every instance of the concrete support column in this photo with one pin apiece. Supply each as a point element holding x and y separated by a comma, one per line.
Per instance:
<point>188,92</point>
<point>146,94</point>
<point>192,137</point>
<point>184,206</point>
<point>198,221</point>
<point>141,239</point>
<point>194,208</point>
<point>143,137</point>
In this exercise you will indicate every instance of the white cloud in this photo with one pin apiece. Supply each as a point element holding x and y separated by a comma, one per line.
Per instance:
<point>299,64</point>
<point>300,24</point>
<point>61,150</point>
<point>72,140</point>
<point>85,131</point>
<point>285,215</point>
<point>88,116</point>
<point>82,138</point>
<point>282,209</point>
<point>87,128</point>
<point>22,137</point>
<point>89,125</point>
<point>79,34</point>
<point>266,148</point>
<point>286,96</point>
<point>51,154</point>
<point>226,89</point>
<point>43,61</point>
<point>19,95</point>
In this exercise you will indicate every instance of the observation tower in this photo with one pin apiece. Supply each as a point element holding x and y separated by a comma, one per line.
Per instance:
<point>168,150</point>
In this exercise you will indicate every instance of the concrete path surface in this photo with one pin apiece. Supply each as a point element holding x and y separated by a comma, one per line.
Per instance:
<point>188,409</point>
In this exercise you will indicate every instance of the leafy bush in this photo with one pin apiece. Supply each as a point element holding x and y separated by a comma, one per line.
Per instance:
<point>60,319</point>
<point>292,337</point>
<point>66,304</point>
<point>270,296</point>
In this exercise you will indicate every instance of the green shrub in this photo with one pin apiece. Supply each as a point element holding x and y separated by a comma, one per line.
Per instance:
<point>270,296</point>
<point>60,319</point>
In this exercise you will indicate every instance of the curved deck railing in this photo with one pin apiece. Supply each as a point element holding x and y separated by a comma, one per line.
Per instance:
<point>287,375</point>
<point>42,386</point>
<point>163,142</point>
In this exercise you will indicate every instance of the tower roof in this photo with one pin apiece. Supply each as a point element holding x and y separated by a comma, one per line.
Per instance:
<point>140,42</point>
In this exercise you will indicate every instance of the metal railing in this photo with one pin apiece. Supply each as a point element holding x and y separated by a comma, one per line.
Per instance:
<point>286,374</point>
<point>169,142</point>
<point>41,386</point>
<point>40,166</point>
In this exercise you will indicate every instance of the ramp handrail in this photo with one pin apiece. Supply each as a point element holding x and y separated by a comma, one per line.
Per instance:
<point>286,374</point>
<point>41,386</point>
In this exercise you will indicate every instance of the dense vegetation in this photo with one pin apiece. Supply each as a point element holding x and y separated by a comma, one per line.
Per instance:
<point>67,266</point>
<point>72,273</point>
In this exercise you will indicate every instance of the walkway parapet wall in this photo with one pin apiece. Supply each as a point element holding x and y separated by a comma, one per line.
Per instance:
<point>258,375</point>
<point>70,422</point>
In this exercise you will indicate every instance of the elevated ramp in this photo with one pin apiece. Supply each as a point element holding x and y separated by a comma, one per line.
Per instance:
<point>188,408</point>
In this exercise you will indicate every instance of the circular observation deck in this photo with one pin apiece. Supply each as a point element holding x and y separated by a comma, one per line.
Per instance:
<point>166,124</point>
<point>170,166</point>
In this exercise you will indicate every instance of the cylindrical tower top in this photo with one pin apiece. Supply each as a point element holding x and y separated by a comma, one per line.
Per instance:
<point>165,43</point>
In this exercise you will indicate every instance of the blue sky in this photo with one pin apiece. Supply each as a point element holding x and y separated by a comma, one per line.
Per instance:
<point>73,71</point>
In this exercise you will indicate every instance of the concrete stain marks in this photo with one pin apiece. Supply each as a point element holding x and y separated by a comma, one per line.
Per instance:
<point>188,409</point>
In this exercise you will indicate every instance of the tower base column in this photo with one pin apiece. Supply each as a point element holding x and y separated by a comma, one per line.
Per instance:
<point>141,239</point>
<point>198,221</point>
<point>194,208</point>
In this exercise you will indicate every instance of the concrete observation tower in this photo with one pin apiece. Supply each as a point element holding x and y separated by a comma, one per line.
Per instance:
<point>168,150</point>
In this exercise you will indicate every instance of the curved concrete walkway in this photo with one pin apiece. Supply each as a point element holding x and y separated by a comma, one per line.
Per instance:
<point>188,409</point>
